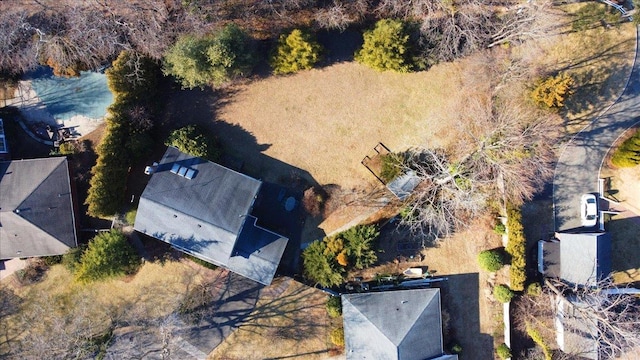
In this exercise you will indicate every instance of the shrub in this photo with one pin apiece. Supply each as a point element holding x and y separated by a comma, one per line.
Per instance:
<point>500,228</point>
<point>516,248</point>
<point>491,260</point>
<point>71,259</point>
<point>385,47</point>
<point>503,351</point>
<point>130,216</point>
<point>455,348</point>
<point>108,255</point>
<point>535,335</point>
<point>334,306</point>
<point>534,289</point>
<point>337,336</point>
<point>51,260</point>
<point>319,267</point>
<point>628,153</point>
<point>502,293</point>
<point>391,167</point>
<point>323,259</point>
<point>194,141</point>
<point>126,139</point>
<point>552,91</point>
<point>296,51</point>
<point>198,61</point>
<point>359,245</point>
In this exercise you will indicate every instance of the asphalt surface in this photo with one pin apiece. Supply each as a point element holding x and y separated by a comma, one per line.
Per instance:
<point>578,167</point>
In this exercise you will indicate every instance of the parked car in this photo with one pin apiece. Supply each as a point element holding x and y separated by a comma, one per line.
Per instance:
<point>589,210</point>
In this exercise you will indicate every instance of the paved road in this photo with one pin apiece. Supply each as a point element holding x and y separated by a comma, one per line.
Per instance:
<point>578,168</point>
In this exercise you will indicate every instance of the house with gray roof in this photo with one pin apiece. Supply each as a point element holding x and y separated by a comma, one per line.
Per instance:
<point>402,325</point>
<point>576,258</point>
<point>204,209</point>
<point>37,216</point>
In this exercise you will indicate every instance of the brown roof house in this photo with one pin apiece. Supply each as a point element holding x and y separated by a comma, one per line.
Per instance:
<point>204,209</point>
<point>36,208</point>
<point>402,325</point>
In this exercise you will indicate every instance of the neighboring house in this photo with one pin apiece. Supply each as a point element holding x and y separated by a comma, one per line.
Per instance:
<point>37,216</point>
<point>204,209</point>
<point>4,147</point>
<point>402,324</point>
<point>576,334</point>
<point>576,258</point>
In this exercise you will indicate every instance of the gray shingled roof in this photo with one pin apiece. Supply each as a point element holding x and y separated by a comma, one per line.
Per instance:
<point>36,208</point>
<point>575,334</point>
<point>403,324</point>
<point>585,258</point>
<point>208,216</point>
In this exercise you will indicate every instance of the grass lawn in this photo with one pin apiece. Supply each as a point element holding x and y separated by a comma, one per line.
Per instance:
<point>289,321</point>
<point>625,227</point>
<point>325,121</point>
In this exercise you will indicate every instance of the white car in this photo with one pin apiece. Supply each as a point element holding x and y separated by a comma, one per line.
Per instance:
<point>589,210</point>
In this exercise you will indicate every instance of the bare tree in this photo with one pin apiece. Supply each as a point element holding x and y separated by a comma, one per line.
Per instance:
<point>525,21</point>
<point>17,45</point>
<point>504,148</point>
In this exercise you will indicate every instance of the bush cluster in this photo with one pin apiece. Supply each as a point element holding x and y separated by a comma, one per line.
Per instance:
<point>126,138</point>
<point>195,141</point>
<point>108,255</point>
<point>296,51</point>
<point>516,248</point>
<point>503,351</point>
<point>491,260</point>
<point>503,293</point>
<point>326,261</point>
<point>628,153</point>
<point>537,338</point>
<point>386,47</point>
<point>334,306</point>
<point>215,59</point>
<point>553,91</point>
<point>337,336</point>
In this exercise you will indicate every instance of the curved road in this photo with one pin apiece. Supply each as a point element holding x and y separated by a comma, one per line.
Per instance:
<point>579,164</point>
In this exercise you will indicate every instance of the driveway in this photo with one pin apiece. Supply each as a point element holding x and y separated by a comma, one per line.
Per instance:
<point>578,167</point>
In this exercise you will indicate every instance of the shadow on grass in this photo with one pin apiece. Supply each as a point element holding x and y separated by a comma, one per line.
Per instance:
<point>625,233</point>
<point>461,301</point>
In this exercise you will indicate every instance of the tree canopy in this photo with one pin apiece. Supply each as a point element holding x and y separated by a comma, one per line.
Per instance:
<point>108,255</point>
<point>216,59</point>
<point>194,141</point>
<point>386,47</point>
<point>295,51</point>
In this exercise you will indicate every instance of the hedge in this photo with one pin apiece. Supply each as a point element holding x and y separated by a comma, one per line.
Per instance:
<point>126,138</point>
<point>516,248</point>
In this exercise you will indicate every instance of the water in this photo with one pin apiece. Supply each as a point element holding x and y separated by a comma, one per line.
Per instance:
<point>86,95</point>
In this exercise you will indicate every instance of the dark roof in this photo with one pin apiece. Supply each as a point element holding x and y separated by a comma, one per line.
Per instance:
<point>36,208</point>
<point>575,334</point>
<point>208,215</point>
<point>403,324</point>
<point>585,258</point>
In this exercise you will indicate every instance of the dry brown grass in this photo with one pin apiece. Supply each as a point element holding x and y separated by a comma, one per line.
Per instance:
<point>293,324</point>
<point>325,121</point>
<point>625,227</point>
<point>599,60</point>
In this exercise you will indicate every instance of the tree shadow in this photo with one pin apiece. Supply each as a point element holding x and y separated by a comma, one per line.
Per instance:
<point>461,300</point>
<point>625,245</point>
<point>339,46</point>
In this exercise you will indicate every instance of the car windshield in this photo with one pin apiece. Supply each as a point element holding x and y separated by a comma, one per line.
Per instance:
<point>591,201</point>
<point>591,217</point>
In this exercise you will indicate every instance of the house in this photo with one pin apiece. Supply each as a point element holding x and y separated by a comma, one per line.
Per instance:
<point>204,209</point>
<point>4,147</point>
<point>402,324</point>
<point>576,334</point>
<point>37,216</point>
<point>576,258</point>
